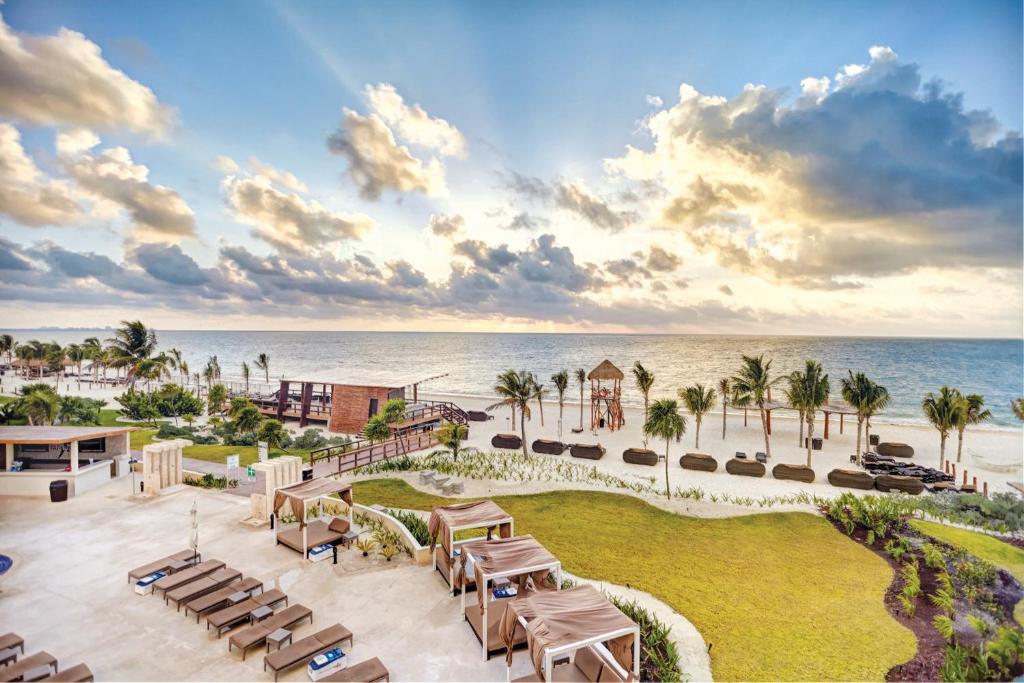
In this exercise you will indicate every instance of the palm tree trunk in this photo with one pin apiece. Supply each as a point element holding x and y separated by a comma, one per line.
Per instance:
<point>764,430</point>
<point>744,417</point>
<point>540,404</point>
<point>522,430</point>
<point>513,416</point>
<point>581,407</point>
<point>942,452</point>
<point>668,493</point>
<point>647,402</point>
<point>723,420</point>
<point>801,441</point>
<point>696,440</point>
<point>860,424</point>
<point>959,444</point>
<point>810,437</point>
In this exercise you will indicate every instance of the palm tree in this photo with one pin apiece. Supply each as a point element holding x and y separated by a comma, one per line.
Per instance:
<point>451,436</point>
<point>93,351</point>
<point>724,388</point>
<point>215,398</point>
<point>878,400</point>
<point>262,362</point>
<point>751,385</point>
<point>944,412</point>
<point>7,346</point>
<point>148,369</point>
<point>1017,406</point>
<point>561,381</point>
<point>38,350</point>
<point>808,392</point>
<point>856,390</point>
<point>973,412</point>
<point>40,406</point>
<point>248,420</point>
<point>644,381</point>
<point>245,375</point>
<point>24,353</point>
<point>581,379</point>
<point>516,389</point>
<point>539,391</point>
<point>132,343</point>
<point>177,362</point>
<point>377,429</point>
<point>699,400</point>
<point>55,357</point>
<point>273,433</point>
<point>664,422</point>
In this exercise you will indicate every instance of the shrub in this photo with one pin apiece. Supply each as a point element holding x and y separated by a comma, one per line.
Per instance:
<point>1003,511</point>
<point>414,523</point>
<point>210,481</point>
<point>878,514</point>
<point>659,658</point>
<point>309,440</point>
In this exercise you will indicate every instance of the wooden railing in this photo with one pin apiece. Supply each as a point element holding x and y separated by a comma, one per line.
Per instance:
<point>362,452</point>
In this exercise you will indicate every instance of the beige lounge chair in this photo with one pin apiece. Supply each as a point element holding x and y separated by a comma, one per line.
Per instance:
<point>587,451</point>
<point>894,449</point>
<point>506,441</point>
<point>257,633</point>
<point>640,456</point>
<point>163,564</point>
<point>216,599</point>
<point>14,672</point>
<point>10,641</point>
<point>366,671</point>
<point>201,586</point>
<point>851,479</point>
<point>745,468</point>
<point>303,650</point>
<point>701,462</point>
<point>185,576</point>
<point>79,673</point>
<point>230,617</point>
<point>548,447</point>
<point>793,473</point>
<point>898,482</point>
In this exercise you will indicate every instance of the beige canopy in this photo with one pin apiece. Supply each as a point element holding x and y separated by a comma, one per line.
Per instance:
<point>578,616</point>
<point>476,515</point>
<point>298,494</point>
<point>606,370</point>
<point>519,556</point>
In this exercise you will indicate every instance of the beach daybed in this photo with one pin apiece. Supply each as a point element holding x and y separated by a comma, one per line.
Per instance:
<point>201,586</point>
<point>367,671</point>
<point>701,462</point>
<point>506,441</point>
<point>311,534</point>
<point>218,598</point>
<point>745,468</point>
<point>257,633</point>
<point>897,450</point>
<point>640,456</point>
<point>588,451</point>
<point>548,447</point>
<point>163,564</point>
<point>896,482</point>
<point>11,641</point>
<point>851,479</point>
<point>187,575</point>
<point>14,672</point>
<point>446,520</point>
<point>303,650</point>
<point>793,473</point>
<point>589,637</point>
<point>520,559</point>
<point>79,673</point>
<point>230,617</point>
<point>478,416</point>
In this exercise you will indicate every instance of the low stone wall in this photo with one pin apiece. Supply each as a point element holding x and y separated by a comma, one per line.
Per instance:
<point>420,554</point>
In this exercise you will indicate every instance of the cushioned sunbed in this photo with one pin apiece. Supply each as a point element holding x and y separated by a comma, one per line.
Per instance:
<point>793,473</point>
<point>318,532</point>
<point>302,651</point>
<point>201,586</point>
<point>257,633</point>
<point>217,598</point>
<point>640,456</point>
<point>700,462</point>
<point>235,614</point>
<point>162,564</point>
<point>187,575</point>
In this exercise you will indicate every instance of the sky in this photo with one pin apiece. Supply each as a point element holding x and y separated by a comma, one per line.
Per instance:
<point>708,167</point>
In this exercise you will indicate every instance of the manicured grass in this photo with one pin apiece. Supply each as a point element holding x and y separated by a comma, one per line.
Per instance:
<point>1010,558</point>
<point>778,596</point>
<point>217,452</point>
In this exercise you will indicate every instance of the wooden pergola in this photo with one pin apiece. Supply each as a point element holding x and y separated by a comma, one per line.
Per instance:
<point>840,408</point>
<point>605,400</point>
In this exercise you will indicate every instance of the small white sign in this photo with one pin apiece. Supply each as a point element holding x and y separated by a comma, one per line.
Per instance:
<point>233,461</point>
<point>264,450</point>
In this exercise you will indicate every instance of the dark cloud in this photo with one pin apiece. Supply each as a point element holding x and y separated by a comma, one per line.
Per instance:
<point>725,289</point>
<point>168,264</point>
<point>492,259</point>
<point>571,197</point>
<point>524,221</point>
<point>662,261</point>
<point>446,225</point>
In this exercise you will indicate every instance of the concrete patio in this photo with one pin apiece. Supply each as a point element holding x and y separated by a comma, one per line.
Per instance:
<point>67,593</point>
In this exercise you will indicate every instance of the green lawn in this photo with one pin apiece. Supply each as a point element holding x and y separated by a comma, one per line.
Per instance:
<point>1010,558</point>
<point>778,596</point>
<point>217,452</point>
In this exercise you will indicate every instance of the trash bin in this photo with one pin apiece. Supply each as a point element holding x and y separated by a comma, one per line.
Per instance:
<point>58,490</point>
<point>307,474</point>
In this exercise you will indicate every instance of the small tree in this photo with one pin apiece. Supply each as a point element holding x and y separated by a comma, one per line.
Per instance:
<point>248,420</point>
<point>215,399</point>
<point>581,379</point>
<point>943,410</point>
<point>393,410</point>
<point>808,392</point>
<point>237,405</point>
<point>377,429</point>
<point>972,412</point>
<point>516,389</point>
<point>561,381</point>
<point>699,400</point>
<point>724,388</point>
<point>245,375</point>
<point>451,436</point>
<point>273,433</point>
<point>262,362</point>
<point>665,422</point>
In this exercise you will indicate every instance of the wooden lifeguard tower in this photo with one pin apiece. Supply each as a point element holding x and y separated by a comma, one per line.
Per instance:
<point>606,396</point>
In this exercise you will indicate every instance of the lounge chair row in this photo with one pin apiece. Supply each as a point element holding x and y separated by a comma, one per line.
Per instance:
<point>549,447</point>
<point>38,666</point>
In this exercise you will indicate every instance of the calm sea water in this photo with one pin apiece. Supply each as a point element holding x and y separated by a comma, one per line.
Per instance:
<point>907,367</point>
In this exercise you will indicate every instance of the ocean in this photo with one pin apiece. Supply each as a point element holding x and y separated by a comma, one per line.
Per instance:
<point>469,361</point>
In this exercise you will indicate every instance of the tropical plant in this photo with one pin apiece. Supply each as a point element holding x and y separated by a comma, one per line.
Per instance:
<point>55,357</point>
<point>262,362</point>
<point>451,436</point>
<point>76,410</point>
<point>76,354</point>
<point>377,429</point>
<point>40,406</point>
<point>581,379</point>
<point>7,346</point>
<point>561,382</point>
<point>366,545</point>
<point>699,400</point>
<point>972,412</point>
<point>154,368</point>
<point>665,422</point>
<point>516,389</point>
<point>393,410</point>
<point>248,420</point>
<point>856,391</point>
<point>237,404</point>
<point>12,412</point>
<point>644,381</point>
<point>132,343</point>
<point>274,434</point>
<point>659,657</point>
<point>176,361</point>
<point>538,393</point>
<point>245,375</point>
<point>388,551</point>
<point>752,384</point>
<point>724,389</point>
<point>94,351</point>
<point>1017,406</point>
<point>215,398</point>
<point>808,392</point>
<point>944,411</point>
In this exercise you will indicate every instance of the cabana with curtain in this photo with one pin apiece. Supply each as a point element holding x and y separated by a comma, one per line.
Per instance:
<point>309,535</point>
<point>579,625</point>
<point>525,564</point>
<point>446,520</point>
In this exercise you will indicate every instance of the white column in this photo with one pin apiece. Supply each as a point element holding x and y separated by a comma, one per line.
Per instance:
<point>9,456</point>
<point>74,457</point>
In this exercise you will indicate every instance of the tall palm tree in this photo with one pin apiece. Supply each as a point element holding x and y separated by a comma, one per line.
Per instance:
<point>581,379</point>
<point>751,384</point>
<point>38,349</point>
<point>699,400</point>
<point>539,392</point>
<point>7,346</point>
<point>55,357</point>
<point>245,375</point>
<point>856,391</point>
<point>973,412</point>
<point>664,422</point>
<point>262,362</point>
<point>943,410</point>
<point>248,420</point>
<point>93,351</point>
<point>1017,406</point>
<point>644,381</point>
<point>808,392</point>
<point>76,354</point>
<point>561,381</point>
<point>451,436</point>
<point>516,389</point>
<point>40,406</point>
<point>150,369</point>
<point>176,362</point>
<point>878,400</point>
<point>724,388</point>
<point>24,353</point>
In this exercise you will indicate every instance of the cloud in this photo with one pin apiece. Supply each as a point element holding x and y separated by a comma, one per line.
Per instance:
<point>570,196</point>
<point>866,175</point>
<point>25,194</point>
<point>287,220</point>
<point>376,162</point>
<point>491,259</point>
<point>725,289</point>
<point>63,80</point>
<point>446,225</point>
<point>168,263</point>
<point>413,124</point>
<point>662,261</point>
<point>283,178</point>
<point>524,221</point>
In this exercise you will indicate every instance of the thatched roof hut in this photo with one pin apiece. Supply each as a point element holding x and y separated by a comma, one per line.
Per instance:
<point>606,371</point>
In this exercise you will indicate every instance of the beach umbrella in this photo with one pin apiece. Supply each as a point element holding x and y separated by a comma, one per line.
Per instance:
<point>193,537</point>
